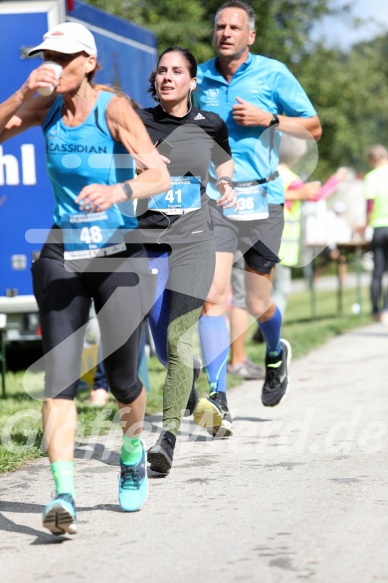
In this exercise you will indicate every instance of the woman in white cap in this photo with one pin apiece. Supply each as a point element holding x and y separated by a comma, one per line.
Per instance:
<point>93,250</point>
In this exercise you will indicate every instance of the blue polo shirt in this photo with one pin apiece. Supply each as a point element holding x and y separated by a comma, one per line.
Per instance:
<point>269,85</point>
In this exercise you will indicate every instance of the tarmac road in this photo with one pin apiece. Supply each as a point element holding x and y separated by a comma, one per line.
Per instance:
<point>299,493</point>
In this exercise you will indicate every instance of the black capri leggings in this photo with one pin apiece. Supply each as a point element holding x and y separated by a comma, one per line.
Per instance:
<point>123,293</point>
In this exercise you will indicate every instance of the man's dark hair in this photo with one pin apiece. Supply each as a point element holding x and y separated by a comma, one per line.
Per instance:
<point>238,4</point>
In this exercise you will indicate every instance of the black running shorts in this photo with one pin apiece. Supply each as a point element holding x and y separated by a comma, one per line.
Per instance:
<point>258,241</point>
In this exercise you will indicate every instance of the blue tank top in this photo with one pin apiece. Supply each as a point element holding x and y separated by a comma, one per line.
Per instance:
<point>83,155</point>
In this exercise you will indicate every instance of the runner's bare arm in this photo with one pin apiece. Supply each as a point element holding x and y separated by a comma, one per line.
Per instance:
<point>127,128</point>
<point>22,110</point>
<point>228,196</point>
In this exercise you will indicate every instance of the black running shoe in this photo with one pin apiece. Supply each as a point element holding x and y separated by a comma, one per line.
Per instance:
<point>194,395</point>
<point>160,455</point>
<point>213,414</point>
<point>276,377</point>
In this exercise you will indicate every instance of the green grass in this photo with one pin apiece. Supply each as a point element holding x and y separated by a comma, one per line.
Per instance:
<point>305,333</point>
<point>20,415</point>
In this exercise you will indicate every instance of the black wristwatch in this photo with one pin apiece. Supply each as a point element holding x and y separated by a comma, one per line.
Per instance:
<point>226,179</point>
<point>274,120</point>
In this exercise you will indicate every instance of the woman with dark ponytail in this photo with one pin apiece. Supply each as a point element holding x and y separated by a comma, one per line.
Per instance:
<point>178,234</point>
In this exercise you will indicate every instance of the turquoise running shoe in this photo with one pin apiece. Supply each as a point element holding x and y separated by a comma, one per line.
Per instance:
<point>133,485</point>
<point>60,515</point>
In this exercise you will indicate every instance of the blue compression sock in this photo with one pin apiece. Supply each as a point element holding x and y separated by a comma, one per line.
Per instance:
<point>214,336</point>
<point>271,331</point>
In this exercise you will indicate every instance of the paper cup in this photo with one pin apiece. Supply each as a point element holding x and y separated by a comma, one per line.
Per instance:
<point>58,71</point>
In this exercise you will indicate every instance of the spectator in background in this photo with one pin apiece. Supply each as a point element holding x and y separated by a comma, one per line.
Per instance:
<point>99,395</point>
<point>350,191</point>
<point>239,364</point>
<point>292,150</point>
<point>376,194</point>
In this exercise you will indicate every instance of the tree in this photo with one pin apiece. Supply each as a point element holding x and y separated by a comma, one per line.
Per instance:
<point>350,93</point>
<point>349,90</point>
<point>283,25</point>
<point>173,22</point>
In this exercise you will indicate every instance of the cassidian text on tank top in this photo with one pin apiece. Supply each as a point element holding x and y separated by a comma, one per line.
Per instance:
<point>83,155</point>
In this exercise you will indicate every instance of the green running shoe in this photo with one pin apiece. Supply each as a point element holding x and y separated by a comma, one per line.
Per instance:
<point>213,414</point>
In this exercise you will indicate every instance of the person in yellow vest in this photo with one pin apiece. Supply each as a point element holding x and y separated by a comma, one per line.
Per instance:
<point>295,192</point>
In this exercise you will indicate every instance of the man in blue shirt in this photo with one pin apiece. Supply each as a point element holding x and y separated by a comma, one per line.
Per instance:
<point>256,96</point>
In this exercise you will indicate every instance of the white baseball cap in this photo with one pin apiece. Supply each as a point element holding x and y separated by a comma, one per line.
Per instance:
<point>68,38</point>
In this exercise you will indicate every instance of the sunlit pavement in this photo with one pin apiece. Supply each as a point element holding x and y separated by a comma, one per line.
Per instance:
<point>298,493</point>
